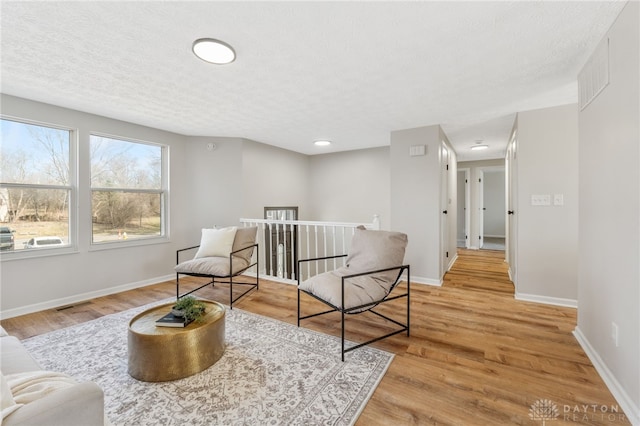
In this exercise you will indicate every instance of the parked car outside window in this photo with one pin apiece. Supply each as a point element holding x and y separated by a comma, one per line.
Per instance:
<point>6,238</point>
<point>39,242</point>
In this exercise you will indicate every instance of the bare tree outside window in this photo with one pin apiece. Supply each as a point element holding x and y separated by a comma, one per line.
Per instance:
<point>35,181</point>
<point>38,185</point>
<point>127,194</point>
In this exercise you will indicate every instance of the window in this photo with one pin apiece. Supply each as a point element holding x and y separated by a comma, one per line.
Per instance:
<point>36,186</point>
<point>128,190</point>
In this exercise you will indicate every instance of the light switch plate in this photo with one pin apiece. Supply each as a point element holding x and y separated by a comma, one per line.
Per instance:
<point>541,200</point>
<point>558,199</point>
<point>417,150</point>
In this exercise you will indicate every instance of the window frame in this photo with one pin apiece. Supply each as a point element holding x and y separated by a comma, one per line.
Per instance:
<point>72,188</point>
<point>163,192</point>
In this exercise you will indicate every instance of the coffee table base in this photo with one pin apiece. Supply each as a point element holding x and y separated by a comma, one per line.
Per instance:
<point>158,354</point>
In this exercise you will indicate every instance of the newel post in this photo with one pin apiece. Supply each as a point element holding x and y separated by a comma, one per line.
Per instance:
<point>376,222</point>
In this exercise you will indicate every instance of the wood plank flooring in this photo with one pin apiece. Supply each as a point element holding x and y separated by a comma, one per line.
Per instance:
<point>475,356</point>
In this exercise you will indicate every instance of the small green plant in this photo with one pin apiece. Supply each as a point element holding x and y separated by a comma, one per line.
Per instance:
<point>192,309</point>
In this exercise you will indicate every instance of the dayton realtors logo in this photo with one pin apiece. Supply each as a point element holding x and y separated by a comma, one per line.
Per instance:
<point>546,410</point>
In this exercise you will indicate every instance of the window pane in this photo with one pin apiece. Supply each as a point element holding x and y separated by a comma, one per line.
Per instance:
<point>123,164</point>
<point>34,154</point>
<point>35,217</point>
<point>125,215</point>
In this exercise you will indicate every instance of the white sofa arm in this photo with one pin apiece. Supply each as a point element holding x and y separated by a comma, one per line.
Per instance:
<point>78,405</point>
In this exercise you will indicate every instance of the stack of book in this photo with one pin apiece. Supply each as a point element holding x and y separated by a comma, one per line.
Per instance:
<point>170,320</point>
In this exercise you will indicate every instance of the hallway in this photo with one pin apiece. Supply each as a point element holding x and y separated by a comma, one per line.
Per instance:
<point>480,270</point>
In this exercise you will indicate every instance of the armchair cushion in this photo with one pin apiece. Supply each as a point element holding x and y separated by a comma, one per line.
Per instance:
<point>245,237</point>
<point>216,242</point>
<point>373,250</point>
<point>370,251</point>
<point>212,266</point>
<point>357,291</point>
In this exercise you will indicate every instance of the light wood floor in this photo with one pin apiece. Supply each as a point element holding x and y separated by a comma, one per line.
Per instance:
<point>475,356</point>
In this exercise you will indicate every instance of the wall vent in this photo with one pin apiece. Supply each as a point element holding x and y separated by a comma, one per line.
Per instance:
<point>594,77</point>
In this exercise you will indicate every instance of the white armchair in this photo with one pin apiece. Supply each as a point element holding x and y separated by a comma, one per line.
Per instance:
<point>223,256</point>
<point>373,270</point>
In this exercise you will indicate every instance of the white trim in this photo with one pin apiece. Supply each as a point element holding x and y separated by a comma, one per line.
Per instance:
<point>51,304</point>
<point>558,301</point>
<point>426,281</point>
<point>452,261</point>
<point>631,410</point>
<point>494,236</point>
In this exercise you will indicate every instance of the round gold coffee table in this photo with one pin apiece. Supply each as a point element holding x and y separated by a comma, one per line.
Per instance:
<point>158,354</point>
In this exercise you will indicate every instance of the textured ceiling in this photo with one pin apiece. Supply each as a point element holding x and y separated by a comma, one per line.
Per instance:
<point>351,72</point>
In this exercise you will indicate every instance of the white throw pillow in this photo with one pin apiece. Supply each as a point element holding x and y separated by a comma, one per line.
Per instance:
<point>216,242</point>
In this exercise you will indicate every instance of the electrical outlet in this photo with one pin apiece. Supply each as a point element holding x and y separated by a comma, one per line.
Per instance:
<point>614,333</point>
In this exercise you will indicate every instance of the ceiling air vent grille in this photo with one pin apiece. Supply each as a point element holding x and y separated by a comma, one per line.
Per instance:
<point>595,75</point>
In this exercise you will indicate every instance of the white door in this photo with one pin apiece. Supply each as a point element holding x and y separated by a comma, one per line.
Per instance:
<point>445,253</point>
<point>480,208</point>
<point>511,164</point>
<point>463,218</point>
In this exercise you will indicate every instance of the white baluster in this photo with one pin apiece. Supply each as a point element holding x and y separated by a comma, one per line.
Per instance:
<point>344,247</point>
<point>308,255</point>
<point>333,235</point>
<point>324,253</point>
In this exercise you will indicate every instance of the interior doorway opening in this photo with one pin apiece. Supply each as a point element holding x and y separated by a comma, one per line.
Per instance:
<point>492,189</point>
<point>464,209</point>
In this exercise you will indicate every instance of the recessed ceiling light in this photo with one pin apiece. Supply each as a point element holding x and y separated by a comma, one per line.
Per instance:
<point>214,51</point>
<point>322,143</point>
<point>479,147</point>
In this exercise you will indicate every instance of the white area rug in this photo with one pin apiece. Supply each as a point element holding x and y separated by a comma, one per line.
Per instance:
<point>271,373</point>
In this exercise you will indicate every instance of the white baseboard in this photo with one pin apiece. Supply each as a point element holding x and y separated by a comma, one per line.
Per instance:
<point>452,261</point>
<point>427,281</point>
<point>631,410</point>
<point>70,300</point>
<point>558,301</point>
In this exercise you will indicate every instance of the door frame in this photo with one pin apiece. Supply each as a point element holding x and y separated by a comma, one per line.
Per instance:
<point>481,171</point>
<point>445,156</point>
<point>466,207</point>
<point>511,232</point>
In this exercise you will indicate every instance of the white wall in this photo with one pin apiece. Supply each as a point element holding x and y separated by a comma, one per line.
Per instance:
<point>273,177</point>
<point>609,271</point>
<point>351,186</point>
<point>213,180</point>
<point>33,284</point>
<point>415,195</point>
<point>547,260</point>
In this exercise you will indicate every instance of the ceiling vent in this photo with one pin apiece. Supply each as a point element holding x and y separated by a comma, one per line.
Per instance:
<point>594,77</point>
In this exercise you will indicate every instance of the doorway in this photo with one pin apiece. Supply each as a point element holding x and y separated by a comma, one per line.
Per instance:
<point>512,201</point>
<point>464,208</point>
<point>492,210</point>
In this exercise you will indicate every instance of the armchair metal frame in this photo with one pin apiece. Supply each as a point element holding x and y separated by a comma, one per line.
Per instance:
<point>367,307</point>
<point>223,279</point>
